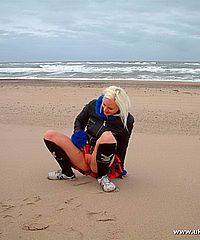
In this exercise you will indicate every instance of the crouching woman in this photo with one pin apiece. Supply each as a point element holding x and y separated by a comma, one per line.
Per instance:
<point>99,143</point>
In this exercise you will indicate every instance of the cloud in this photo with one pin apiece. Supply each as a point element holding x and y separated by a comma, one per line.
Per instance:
<point>101,19</point>
<point>30,25</point>
<point>131,24</point>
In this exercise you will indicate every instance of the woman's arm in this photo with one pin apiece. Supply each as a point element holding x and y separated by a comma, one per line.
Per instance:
<point>123,140</point>
<point>82,119</point>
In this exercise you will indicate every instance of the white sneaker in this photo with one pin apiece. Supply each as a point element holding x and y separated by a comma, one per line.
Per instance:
<point>106,184</point>
<point>58,175</point>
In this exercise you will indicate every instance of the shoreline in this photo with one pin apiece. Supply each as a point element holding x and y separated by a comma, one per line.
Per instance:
<point>98,83</point>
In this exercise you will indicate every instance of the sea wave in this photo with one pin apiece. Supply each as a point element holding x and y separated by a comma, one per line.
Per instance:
<point>103,70</point>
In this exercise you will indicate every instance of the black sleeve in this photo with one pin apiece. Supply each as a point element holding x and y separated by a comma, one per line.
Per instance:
<point>123,140</point>
<point>82,119</point>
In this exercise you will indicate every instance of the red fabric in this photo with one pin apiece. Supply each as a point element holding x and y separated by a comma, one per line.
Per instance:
<point>115,169</point>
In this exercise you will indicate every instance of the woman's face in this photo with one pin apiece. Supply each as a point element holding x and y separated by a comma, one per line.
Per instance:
<point>109,107</point>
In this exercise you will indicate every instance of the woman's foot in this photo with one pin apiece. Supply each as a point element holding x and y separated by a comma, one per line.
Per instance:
<point>58,175</point>
<point>106,184</point>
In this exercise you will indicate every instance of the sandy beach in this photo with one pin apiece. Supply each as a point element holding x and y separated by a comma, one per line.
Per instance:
<point>160,194</point>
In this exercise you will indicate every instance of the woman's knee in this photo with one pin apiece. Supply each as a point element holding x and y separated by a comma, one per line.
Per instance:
<point>50,135</point>
<point>107,137</point>
<point>58,138</point>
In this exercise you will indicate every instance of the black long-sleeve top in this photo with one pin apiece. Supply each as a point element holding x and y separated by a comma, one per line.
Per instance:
<point>90,121</point>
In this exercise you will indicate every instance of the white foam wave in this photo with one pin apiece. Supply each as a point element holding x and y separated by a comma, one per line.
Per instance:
<point>102,70</point>
<point>59,69</point>
<point>192,64</point>
<point>18,70</point>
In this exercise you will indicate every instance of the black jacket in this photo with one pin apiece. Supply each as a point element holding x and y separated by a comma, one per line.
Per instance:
<point>88,120</point>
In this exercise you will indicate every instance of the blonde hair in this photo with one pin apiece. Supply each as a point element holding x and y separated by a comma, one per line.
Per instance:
<point>121,99</point>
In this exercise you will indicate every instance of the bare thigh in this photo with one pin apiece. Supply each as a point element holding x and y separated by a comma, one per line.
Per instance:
<point>106,137</point>
<point>77,158</point>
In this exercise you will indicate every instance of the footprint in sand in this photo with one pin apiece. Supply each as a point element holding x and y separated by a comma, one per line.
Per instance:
<point>101,216</point>
<point>7,212</point>
<point>112,228</point>
<point>70,202</point>
<point>32,201</point>
<point>5,207</point>
<point>72,233</point>
<point>34,226</point>
<point>73,202</point>
<point>8,216</point>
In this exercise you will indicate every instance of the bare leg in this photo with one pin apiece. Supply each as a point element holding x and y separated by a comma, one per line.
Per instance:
<point>75,155</point>
<point>99,161</point>
<point>102,158</point>
<point>106,137</point>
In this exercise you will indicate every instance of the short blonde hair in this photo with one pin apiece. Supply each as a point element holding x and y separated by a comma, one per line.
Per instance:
<point>121,99</point>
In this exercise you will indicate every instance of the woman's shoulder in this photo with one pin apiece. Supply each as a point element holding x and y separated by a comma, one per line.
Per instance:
<point>92,103</point>
<point>90,106</point>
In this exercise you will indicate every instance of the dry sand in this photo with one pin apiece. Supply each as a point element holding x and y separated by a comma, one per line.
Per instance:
<point>160,194</point>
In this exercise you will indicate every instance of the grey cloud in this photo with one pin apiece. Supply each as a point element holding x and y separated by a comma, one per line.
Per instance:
<point>87,17</point>
<point>139,26</point>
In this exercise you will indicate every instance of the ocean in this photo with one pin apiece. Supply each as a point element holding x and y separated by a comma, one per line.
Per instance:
<point>102,70</point>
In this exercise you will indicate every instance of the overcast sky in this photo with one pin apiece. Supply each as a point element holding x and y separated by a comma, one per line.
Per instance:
<point>33,30</point>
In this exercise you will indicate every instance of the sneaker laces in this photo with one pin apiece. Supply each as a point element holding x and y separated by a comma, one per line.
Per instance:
<point>105,180</point>
<point>106,184</point>
<point>58,173</point>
